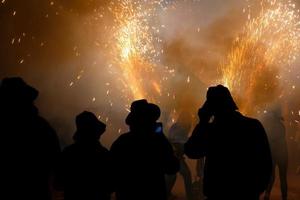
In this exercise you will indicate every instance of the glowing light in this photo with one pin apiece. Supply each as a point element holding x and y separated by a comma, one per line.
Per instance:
<point>188,80</point>
<point>156,87</point>
<point>267,43</point>
<point>135,41</point>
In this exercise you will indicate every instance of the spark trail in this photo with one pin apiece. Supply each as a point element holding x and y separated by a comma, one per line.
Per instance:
<point>268,44</point>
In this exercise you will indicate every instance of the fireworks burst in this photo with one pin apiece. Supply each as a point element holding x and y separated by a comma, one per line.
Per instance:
<point>135,46</point>
<point>269,43</point>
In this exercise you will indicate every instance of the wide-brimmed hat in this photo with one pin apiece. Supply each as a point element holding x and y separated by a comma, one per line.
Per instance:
<point>89,128</point>
<point>87,121</point>
<point>142,112</point>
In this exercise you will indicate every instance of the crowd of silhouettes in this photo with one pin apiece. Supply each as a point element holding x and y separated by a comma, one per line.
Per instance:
<point>234,150</point>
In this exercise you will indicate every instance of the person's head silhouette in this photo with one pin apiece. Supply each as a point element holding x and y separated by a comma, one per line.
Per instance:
<point>143,115</point>
<point>218,101</point>
<point>17,97</point>
<point>89,128</point>
<point>16,91</point>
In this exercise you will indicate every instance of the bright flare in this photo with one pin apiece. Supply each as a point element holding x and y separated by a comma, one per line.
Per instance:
<point>135,44</point>
<point>268,43</point>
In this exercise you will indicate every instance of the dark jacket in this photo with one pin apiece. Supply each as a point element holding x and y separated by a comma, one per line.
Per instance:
<point>238,160</point>
<point>141,161</point>
<point>29,149</point>
<point>85,172</point>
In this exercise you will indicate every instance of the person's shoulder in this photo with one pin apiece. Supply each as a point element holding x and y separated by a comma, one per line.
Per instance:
<point>252,124</point>
<point>44,124</point>
<point>123,138</point>
<point>249,120</point>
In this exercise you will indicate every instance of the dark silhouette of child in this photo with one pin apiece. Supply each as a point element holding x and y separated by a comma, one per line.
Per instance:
<point>142,156</point>
<point>29,146</point>
<point>238,160</point>
<point>85,172</point>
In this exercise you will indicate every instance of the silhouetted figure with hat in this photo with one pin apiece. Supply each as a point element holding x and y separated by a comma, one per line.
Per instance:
<point>274,124</point>
<point>143,156</point>
<point>29,145</point>
<point>238,161</point>
<point>85,172</point>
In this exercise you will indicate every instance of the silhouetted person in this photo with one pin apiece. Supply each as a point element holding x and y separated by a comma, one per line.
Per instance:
<point>275,129</point>
<point>29,146</point>
<point>178,135</point>
<point>237,155</point>
<point>85,165</point>
<point>143,156</point>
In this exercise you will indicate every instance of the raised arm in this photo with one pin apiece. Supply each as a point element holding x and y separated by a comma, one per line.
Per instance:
<point>197,145</point>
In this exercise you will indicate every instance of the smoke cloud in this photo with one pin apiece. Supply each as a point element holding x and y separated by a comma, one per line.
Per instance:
<point>60,47</point>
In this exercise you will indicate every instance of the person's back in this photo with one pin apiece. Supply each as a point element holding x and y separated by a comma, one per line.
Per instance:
<point>85,172</point>
<point>30,145</point>
<point>141,159</point>
<point>31,156</point>
<point>234,158</point>
<point>236,151</point>
<point>142,162</point>
<point>85,166</point>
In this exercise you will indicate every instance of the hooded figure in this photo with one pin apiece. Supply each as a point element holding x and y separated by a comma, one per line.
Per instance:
<point>30,146</point>
<point>142,156</point>
<point>85,165</point>
<point>237,155</point>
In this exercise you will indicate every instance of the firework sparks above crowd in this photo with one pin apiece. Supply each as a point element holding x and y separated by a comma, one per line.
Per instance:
<point>268,45</point>
<point>135,51</point>
<point>167,51</point>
